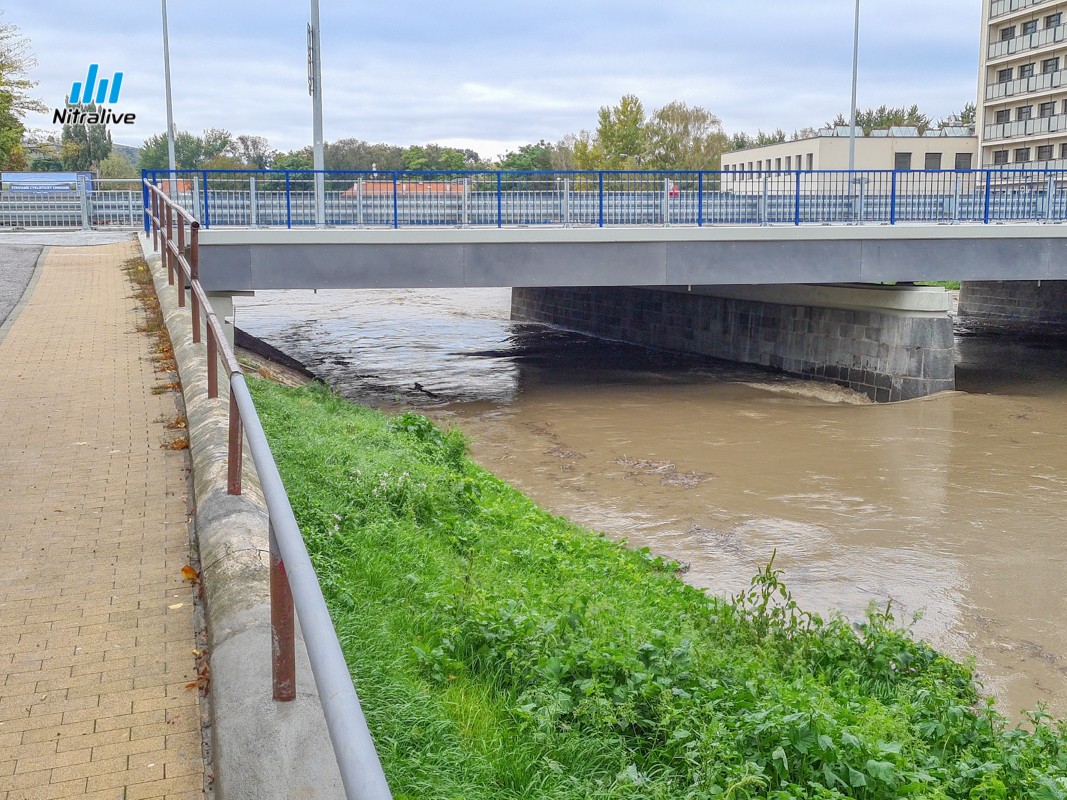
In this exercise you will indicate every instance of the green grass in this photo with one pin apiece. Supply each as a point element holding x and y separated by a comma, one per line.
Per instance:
<point>501,652</point>
<point>950,285</point>
<point>953,285</point>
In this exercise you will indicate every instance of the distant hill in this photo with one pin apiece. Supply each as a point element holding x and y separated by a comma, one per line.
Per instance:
<point>130,153</point>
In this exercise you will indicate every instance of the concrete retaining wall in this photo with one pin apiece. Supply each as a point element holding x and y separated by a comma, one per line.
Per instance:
<point>261,749</point>
<point>886,355</point>
<point>1022,301</point>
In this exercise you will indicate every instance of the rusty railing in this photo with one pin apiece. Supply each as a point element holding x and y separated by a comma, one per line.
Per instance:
<point>293,582</point>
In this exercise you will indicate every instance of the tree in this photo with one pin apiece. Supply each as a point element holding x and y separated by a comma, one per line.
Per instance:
<point>621,137</point>
<point>216,142</point>
<point>871,119</point>
<point>586,151</point>
<point>82,145</point>
<point>16,60</point>
<point>117,166</point>
<point>296,159</point>
<point>530,157</point>
<point>357,155</point>
<point>963,118</point>
<point>214,149</point>
<point>46,164</point>
<point>743,141</point>
<point>438,158</point>
<point>680,137</point>
<point>563,153</point>
<point>254,151</point>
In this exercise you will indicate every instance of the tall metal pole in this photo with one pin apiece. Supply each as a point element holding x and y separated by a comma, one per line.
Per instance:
<point>166,76</point>
<point>315,87</point>
<point>855,75</point>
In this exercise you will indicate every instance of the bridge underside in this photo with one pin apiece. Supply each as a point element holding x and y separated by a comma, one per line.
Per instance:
<point>890,343</point>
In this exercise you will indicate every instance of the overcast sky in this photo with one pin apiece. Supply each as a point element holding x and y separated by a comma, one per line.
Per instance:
<point>494,75</point>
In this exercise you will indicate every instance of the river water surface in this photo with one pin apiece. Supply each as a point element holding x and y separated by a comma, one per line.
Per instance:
<point>953,507</point>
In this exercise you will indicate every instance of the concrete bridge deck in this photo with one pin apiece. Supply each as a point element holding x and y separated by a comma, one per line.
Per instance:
<point>244,259</point>
<point>96,622</point>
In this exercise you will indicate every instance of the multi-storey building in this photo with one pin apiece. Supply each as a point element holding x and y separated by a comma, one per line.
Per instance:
<point>1022,84</point>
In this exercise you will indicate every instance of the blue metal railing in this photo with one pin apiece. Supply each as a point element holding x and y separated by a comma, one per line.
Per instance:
<point>396,199</point>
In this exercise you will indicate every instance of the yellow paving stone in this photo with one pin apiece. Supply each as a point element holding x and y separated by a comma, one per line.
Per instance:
<point>52,791</point>
<point>95,530</point>
<point>146,791</point>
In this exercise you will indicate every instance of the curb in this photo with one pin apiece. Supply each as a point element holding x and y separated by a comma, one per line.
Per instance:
<point>261,749</point>
<point>31,284</point>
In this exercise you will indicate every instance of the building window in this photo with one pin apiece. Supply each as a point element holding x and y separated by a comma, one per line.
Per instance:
<point>1052,20</point>
<point>1000,156</point>
<point>1050,65</point>
<point>963,160</point>
<point>1030,27</point>
<point>1063,150</point>
<point>1007,33</point>
<point>1004,75</point>
<point>902,162</point>
<point>1004,115</point>
<point>750,166</point>
<point>1047,109</point>
<point>1023,113</point>
<point>1022,155</point>
<point>788,162</point>
<point>778,164</point>
<point>1026,70</point>
<point>933,161</point>
<point>811,159</point>
<point>1044,152</point>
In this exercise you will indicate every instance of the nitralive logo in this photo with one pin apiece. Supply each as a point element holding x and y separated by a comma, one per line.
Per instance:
<point>84,104</point>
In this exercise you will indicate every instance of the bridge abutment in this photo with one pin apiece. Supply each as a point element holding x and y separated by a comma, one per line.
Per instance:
<point>1038,302</point>
<point>890,343</point>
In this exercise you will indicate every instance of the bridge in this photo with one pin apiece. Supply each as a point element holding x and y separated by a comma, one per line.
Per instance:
<point>786,270</point>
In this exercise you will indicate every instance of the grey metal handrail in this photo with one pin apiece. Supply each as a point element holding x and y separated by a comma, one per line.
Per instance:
<point>293,581</point>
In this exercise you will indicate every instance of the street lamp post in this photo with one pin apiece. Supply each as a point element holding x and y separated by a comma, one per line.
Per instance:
<point>166,78</point>
<point>855,75</point>
<point>315,90</point>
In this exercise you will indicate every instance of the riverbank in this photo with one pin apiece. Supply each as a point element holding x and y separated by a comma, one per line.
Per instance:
<point>503,652</point>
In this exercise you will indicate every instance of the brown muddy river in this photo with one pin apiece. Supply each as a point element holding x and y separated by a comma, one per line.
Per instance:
<point>953,507</point>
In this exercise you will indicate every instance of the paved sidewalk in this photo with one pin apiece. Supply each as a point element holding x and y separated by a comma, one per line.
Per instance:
<point>96,622</point>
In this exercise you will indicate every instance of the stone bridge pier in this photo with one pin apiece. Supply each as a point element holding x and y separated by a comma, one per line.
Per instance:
<point>1029,302</point>
<point>888,342</point>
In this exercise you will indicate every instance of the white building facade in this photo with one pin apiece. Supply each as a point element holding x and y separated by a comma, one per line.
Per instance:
<point>894,149</point>
<point>1022,84</point>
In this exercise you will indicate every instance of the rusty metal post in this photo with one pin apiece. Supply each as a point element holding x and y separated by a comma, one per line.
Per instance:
<point>194,299</point>
<point>178,261</point>
<point>168,214</point>
<point>282,640</point>
<point>194,249</point>
<point>233,461</point>
<point>155,219</point>
<point>212,363</point>
<point>194,275</point>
